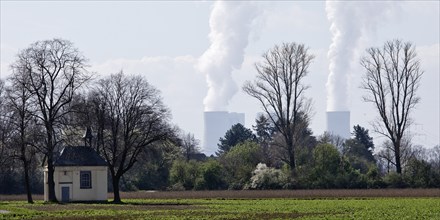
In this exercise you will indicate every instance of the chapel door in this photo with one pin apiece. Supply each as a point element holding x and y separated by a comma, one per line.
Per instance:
<point>65,194</point>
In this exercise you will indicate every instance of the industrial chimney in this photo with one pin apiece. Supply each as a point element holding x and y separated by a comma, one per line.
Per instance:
<point>216,124</point>
<point>338,123</point>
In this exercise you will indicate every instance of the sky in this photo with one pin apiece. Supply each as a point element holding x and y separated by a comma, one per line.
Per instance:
<point>199,53</point>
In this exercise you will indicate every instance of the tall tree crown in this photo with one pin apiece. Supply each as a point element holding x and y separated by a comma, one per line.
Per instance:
<point>392,77</point>
<point>280,89</point>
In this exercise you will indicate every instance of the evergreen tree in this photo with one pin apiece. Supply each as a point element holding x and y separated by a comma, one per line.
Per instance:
<point>237,134</point>
<point>366,148</point>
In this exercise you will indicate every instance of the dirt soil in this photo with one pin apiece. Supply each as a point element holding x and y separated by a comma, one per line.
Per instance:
<point>261,194</point>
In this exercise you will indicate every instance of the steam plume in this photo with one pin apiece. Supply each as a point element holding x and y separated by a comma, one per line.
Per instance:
<point>350,22</point>
<point>230,24</point>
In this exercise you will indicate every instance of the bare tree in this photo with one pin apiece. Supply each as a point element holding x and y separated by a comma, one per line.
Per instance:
<point>333,139</point>
<point>4,128</point>
<point>24,127</point>
<point>304,143</point>
<point>56,70</point>
<point>133,118</point>
<point>434,157</point>
<point>190,145</point>
<point>385,157</point>
<point>280,90</point>
<point>391,80</point>
<point>407,151</point>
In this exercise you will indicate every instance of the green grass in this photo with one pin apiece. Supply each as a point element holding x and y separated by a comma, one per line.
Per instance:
<point>331,208</point>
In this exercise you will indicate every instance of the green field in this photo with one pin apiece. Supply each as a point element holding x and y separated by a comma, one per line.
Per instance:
<point>217,208</point>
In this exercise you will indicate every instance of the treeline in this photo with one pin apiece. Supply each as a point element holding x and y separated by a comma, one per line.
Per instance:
<point>248,161</point>
<point>51,98</point>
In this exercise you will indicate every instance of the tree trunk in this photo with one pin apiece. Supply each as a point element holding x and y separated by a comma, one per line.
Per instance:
<point>115,182</point>
<point>397,156</point>
<point>292,160</point>
<point>50,180</point>
<point>27,182</point>
<point>291,154</point>
<point>50,167</point>
<point>292,166</point>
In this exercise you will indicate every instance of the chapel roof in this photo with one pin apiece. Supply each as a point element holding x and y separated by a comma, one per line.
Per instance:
<point>79,156</point>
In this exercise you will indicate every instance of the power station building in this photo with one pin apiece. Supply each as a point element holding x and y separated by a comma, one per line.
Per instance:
<point>216,123</point>
<point>338,123</point>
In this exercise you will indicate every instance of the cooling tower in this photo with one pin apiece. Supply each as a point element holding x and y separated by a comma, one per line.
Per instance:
<point>338,123</point>
<point>216,124</point>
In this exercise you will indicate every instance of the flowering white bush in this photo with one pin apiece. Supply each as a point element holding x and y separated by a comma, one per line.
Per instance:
<point>267,178</point>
